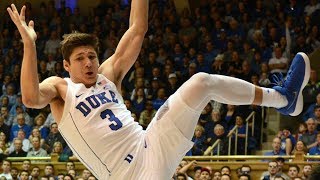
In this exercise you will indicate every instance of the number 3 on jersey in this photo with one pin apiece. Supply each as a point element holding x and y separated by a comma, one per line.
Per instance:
<point>116,123</point>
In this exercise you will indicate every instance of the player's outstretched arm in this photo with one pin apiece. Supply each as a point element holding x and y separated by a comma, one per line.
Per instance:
<point>130,44</point>
<point>33,95</point>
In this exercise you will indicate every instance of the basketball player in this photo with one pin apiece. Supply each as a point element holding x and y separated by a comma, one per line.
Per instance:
<point>95,122</point>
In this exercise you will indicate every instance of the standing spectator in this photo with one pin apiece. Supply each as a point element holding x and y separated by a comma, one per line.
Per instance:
<point>306,171</point>
<point>49,170</point>
<point>293,171</point>
<point>35,173</point>
<point>26,165</point>
<point>85,174</point>
<point>24,175</point>
<point>6,167</point>
<point>205,174</point>
<point>70,165</point>
<point>272,171</point>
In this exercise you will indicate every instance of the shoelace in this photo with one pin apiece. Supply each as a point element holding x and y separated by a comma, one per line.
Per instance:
<point>277,79</point>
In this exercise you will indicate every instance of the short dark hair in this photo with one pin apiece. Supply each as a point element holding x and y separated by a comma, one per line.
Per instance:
<point>74,40</point>
<point>294,165</point>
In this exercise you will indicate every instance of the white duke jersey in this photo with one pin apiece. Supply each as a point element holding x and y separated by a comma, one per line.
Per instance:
<point>98,127</point>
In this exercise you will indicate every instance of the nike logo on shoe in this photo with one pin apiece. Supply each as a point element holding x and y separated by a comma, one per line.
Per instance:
<point>79,95</point>
<point>295,96</point>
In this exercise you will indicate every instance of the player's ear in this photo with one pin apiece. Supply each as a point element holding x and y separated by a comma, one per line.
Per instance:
<point>66,65</point>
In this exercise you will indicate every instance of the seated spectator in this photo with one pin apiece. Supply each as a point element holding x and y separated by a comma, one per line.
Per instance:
<point>27,118</point>
<point>219,133</point>
<point>241,134</point>
<point>147,115</point>
<point>26,145</point>
<point>293,171</point>
<point>4,130</point>
<point>278,64</point>
<point>36,150</point>
<point>302,129</point>
<point>20,125</point>
<point>8,118</point>
<point>161,98</point>
<point>300,147</point>
<point>53,137</point>
<point>276,148</point>
<point>230,115</point>
<point>36,133</point>
<point>309,138</point>
<point>216,175</point>
<point>49,121</point>
<point>316,149</point>
<point>39,123</point>
<point>310,112</point>
<point>287,141</point>
<point>58,149</point>
<point>18,151</point>
<point>199,141</point>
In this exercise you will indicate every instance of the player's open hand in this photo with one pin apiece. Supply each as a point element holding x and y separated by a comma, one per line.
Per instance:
<point>26,30</point>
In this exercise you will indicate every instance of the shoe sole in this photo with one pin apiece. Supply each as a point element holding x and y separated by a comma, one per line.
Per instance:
<point>299,104</point>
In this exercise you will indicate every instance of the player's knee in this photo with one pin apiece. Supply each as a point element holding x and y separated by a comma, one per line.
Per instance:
<point>202,80</point>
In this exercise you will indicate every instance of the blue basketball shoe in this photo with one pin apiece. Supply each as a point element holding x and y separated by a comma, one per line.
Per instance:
<point>292,85</point>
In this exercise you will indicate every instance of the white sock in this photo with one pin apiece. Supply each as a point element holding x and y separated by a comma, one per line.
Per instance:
<point>272,98</point>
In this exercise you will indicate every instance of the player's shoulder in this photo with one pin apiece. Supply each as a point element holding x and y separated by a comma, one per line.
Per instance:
<point>54,82</point>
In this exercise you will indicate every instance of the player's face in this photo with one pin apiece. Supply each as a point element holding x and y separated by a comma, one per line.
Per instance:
<point>83,65</point>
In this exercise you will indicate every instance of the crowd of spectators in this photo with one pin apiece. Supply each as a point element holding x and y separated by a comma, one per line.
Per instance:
<point>251,40</point>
